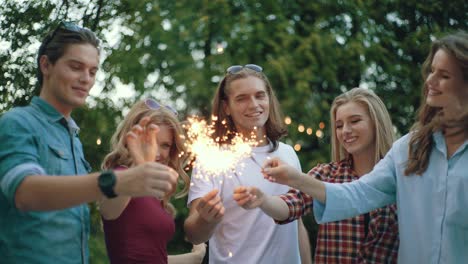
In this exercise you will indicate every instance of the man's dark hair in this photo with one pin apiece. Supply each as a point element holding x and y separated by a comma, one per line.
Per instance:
<point>56,42</point>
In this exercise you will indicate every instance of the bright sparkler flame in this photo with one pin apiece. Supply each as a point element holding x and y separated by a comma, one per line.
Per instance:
<point>213,158</point>
<point>208,155</point>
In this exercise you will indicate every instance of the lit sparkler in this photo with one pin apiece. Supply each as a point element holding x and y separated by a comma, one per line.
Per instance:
<point>215,159</point>
<point>209,155</point>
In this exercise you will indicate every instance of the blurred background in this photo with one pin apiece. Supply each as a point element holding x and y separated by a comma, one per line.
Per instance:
<point>177,52</point>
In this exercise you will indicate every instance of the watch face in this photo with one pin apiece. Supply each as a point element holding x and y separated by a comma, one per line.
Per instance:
<point>106,183</point>
<point>106,179</point>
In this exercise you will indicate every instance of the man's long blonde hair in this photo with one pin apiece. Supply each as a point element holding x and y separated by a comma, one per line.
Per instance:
<point>224,125</point>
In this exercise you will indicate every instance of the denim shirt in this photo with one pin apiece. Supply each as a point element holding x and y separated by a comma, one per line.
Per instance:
<point>38,140</point>
<point>432,207</point>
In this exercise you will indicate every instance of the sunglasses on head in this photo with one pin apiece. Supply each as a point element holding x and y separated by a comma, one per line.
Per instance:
<point>153,104</point>
<point>63,25</point>
<point>237,68</point>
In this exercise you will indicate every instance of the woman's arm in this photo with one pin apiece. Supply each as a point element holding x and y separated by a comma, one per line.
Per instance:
<point>142,145</point>
<point>194,257</point>
<point>252,197</point>
<point>112,208</point>
<point>304,243</point>
<point>276,170</point>
<point>381,243</point>
<point>205,214</point>
<point>373,190</point>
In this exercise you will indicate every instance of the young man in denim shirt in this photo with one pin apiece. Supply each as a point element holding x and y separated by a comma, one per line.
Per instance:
<point>45,181</point>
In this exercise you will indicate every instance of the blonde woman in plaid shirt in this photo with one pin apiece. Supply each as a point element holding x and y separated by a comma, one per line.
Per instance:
<point>362,135</point>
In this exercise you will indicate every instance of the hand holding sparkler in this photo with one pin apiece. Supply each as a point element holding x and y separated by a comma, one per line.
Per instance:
<point>210,207</point>
<point>248,197</point>
<point>147,178</point>
<point>276,170</point>
<point>141,141</point>
<point>252,197</point>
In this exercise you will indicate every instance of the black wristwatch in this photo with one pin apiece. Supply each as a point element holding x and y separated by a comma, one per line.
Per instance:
<point>106,182</point>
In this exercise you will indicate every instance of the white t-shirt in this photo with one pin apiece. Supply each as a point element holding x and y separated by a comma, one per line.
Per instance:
<point>249,236</point>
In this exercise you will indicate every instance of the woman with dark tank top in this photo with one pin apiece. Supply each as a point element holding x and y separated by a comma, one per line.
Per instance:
<point>137,230</point>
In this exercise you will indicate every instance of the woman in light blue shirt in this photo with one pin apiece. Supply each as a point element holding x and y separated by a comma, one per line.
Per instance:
<point>425,172</point>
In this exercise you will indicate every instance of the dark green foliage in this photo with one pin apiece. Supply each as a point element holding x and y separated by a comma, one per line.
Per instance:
<point>311,51</point>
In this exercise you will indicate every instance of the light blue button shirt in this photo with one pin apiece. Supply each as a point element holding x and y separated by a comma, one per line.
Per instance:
<point>38,140</point>
<point>432,208</point>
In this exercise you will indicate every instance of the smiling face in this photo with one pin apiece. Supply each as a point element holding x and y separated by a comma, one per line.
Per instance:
<point>355,129</point>
<point>445,85</point>
<point>248,105</point>
<point>67,83</point>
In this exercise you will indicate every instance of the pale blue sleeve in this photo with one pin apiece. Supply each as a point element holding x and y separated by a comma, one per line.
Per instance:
<point>373,190</point>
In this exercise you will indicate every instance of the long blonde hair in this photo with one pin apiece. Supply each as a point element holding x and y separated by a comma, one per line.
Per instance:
<point>430,119</point>
<point>383,128</point>
<point>120,156</point>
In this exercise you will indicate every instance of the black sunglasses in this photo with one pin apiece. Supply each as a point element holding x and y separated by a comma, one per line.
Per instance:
<point>153,104</point>
<point>237,68</point>
<point>66,25</point>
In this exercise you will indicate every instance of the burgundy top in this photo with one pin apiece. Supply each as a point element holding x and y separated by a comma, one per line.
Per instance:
<point>140,234</point>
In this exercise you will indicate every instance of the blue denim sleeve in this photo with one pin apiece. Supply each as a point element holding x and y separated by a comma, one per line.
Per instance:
<point>373,190</point>
<point>18,153</point>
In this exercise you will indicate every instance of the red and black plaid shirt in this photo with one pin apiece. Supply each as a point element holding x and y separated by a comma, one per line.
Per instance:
<point>348,241</point>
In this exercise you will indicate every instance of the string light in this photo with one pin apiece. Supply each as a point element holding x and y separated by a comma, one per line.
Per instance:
<point>297,147</point>
<point>219,48</point>
<point>300,128</point>
<point>98,141</point>
<point>309,130</point>
<point>319,133</point>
